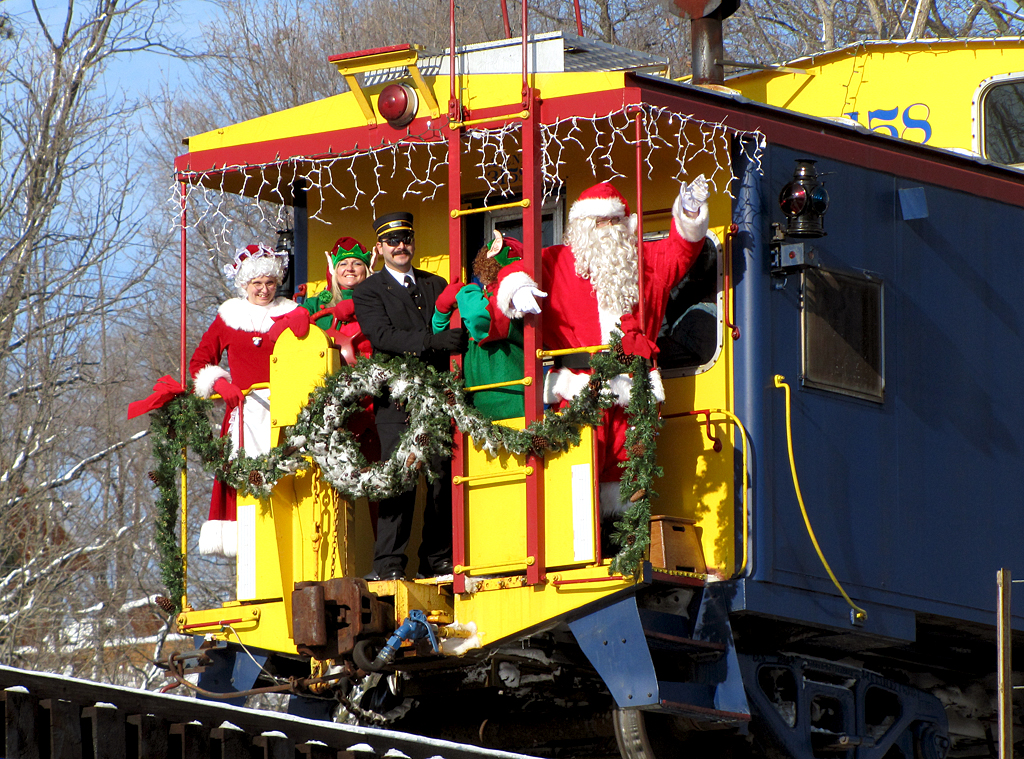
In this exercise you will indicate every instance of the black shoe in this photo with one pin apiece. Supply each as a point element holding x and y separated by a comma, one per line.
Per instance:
<point>444,569</point>
<point>392,574</point>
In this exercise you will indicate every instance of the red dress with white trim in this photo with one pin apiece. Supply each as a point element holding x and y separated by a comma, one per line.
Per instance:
<point>240,330</point>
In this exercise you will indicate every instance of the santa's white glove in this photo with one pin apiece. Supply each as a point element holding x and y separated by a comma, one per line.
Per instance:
<point>694,195</point>
<point>525,300</point>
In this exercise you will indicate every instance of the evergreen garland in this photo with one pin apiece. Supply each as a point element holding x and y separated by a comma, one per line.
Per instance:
<point>437,404</point>
<point>633,533</point>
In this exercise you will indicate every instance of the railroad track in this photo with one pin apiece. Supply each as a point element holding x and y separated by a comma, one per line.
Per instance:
<point>49,716</point>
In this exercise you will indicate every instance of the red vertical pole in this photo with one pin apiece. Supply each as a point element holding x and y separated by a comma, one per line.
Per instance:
<point>640,216</point>
<point>454,272</point>
<point>579,17</point>
<point>451,61</point>
<point>526,64</point>
<point>184,236</point>
<point>505,19</point>
<point>533,366</point>
<point>184,375</point>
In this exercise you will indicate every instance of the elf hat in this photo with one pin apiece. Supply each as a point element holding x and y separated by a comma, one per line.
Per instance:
<point>599,202</point>
<point>254,261</point>
<point>505,250</point>
<point>348,247</point>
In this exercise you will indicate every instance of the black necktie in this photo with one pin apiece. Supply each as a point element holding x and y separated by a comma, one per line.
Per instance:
<point>414,291</point>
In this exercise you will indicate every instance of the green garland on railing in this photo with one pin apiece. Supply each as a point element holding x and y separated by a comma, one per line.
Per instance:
<point>633,531</point>
<point>433,400</point>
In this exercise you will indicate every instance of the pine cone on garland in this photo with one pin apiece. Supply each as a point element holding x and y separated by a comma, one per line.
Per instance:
<point>637,495</point>
<point>538,444</point>
<point>630,539</point>
<point>411,459</point>
<point>422,439</point>
<point>165,603</point>
<point>153,477</point>
<point>637,450</point>
<point>620,355</point>
<point>256,479</point>
<point>450,397</point>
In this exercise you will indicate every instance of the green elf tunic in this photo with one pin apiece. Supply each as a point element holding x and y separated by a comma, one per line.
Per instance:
<point>495,352</point>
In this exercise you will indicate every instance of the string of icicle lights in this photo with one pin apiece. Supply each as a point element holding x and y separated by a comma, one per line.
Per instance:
<point>217,200</point>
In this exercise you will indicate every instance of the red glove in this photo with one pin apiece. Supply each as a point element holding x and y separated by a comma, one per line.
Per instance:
<point>230,393</point>
<point>446,300</point>
<point>344,312</point>
<point>634,341</point>
<point>297,320</point>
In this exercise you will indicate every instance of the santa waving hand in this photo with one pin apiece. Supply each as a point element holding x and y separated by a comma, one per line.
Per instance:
<point>594,283</point>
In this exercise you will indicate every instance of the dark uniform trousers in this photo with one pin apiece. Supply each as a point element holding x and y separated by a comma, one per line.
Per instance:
<point>396,320</point>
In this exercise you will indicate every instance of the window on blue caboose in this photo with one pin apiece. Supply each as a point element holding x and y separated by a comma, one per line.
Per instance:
<point>843,351</point>
<point>690,338</point>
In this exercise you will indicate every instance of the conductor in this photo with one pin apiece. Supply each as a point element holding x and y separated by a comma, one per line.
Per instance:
<point>394,308</point>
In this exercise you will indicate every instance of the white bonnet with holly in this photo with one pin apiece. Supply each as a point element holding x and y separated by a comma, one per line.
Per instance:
<point>254,261</point>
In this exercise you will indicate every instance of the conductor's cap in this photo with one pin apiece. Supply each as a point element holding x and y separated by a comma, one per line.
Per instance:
<point>392,222</point>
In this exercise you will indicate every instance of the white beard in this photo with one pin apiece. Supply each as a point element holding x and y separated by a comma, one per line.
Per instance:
<point>607,257</point>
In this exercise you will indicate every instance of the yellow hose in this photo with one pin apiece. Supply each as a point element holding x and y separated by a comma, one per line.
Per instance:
<point>859,615</point>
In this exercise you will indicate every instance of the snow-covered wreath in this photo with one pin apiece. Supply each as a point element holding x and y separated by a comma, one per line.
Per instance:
<point>437,405</point>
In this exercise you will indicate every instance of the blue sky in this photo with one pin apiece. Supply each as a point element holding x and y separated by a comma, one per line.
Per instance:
<point>141,74</point>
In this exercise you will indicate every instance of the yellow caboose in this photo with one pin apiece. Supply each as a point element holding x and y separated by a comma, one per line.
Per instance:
<point>500,136</point>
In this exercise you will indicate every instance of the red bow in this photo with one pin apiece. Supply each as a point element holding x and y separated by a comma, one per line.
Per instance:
<point>634,341</point>
<point>164,390</point>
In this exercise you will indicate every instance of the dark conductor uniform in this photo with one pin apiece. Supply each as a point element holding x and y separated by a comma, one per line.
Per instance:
<point>394,310</point>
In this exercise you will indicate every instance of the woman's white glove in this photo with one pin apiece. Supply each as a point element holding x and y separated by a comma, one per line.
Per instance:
<point>694,195</point>
<point>525,300</point>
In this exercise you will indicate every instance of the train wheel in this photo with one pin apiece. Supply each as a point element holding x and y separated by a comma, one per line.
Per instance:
<point>645,735</point>
<point>654,735</point>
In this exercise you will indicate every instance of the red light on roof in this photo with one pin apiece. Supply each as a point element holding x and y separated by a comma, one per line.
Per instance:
<point>397,103</point>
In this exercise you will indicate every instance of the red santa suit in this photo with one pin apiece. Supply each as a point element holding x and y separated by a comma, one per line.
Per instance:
<point>573,318</point>
<point>241,330</point>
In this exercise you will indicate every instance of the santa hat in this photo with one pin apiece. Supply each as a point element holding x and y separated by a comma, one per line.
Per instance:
<point>600,201</point>
<point>254,261</point>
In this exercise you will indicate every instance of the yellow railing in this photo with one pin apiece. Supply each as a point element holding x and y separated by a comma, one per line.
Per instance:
<point>859,614</point>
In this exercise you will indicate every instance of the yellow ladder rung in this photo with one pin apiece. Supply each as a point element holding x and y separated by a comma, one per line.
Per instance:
<point>457,212</point>
<point>510,383</point>
<point>527,562</point>
<point>460,479</point>
<point>524,114</point>
<point>567,351</point>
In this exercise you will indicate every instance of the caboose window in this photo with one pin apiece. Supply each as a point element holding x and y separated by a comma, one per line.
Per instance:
<point>842,333</point>
<point>690,337</point>
<point>1003,119</point>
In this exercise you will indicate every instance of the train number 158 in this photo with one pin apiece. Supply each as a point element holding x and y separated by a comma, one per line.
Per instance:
<point>914,120</point>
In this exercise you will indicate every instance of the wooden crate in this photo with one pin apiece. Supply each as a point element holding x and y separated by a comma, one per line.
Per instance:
<point>675,545</point>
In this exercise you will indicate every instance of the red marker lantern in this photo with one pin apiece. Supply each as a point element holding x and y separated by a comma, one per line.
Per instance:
<point>397,103</point>
<point>804,201</point>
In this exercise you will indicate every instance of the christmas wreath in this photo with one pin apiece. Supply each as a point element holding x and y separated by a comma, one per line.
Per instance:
<point>437,405</point>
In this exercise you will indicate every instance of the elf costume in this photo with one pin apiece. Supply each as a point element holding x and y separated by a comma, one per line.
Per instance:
<point>495,352</point>
<point>332,310</point>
